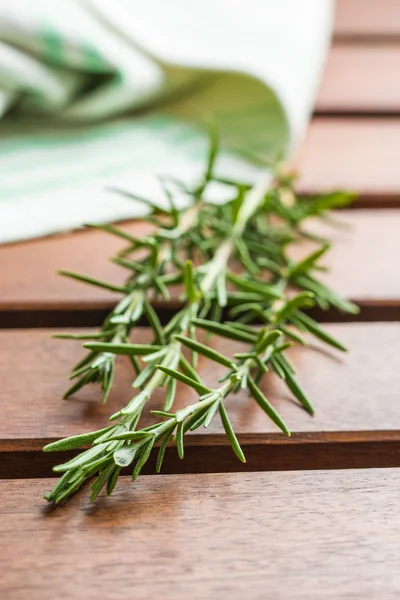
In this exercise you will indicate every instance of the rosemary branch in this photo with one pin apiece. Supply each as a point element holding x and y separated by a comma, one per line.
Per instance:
<point>231,257</point>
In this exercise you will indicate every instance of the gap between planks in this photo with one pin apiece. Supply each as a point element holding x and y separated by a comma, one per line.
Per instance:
<point>357,422</point>
<point>360,266</point>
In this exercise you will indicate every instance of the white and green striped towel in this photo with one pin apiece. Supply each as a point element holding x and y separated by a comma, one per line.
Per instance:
<point>69,70</point>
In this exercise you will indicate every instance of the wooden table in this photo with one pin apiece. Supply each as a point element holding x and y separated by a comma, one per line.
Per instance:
<point>316,516</point>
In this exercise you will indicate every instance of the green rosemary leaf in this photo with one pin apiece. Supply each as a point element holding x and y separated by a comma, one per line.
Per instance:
<point>309,262</point>
<point>101,481</point>
<point>221,291</point>
<point>163,447</point>
<point>200,388</point>
<point>154,323</point>
<point>136,349</point>
<point>113,480</point>
<point>322,292</point>
<point>267,406</point>
<point>128,264</point>
<point>329,201</point>
<point>196,420</point>
<point>317,331</point>
<point>277,368</point>
<point>143,458</point>
<point>293,335</point>
<point>143,376</point>
<point>179,440</point>
<point>81,458</point>
<point>162,288</point>
<point>113,230</point>
<point>96,282</point>
<point>205,351</point>
<point>60,486</point>
<point>295,388</point>
<point>131,435</point>
<point>258,287</point>
<point>266,339</point>
<point>163,413</point>
<point>230,433</point>
<point>79,336</point>
<point>170,396</point>
<point>226,331</point>
<point>189,283</point>
<point>210,414</point>
<point>75,441</point>
<point>302,300</point>
<point>188,369</point>
<point>124,456</point>
<point>79,384</point>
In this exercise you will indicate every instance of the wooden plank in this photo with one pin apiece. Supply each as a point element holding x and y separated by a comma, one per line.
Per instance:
<point>303,536</point>
<point>357,154</point>
<point>355,397</point>
<point>367,19</point>
<point>360,79</point>
<point>29,283</point>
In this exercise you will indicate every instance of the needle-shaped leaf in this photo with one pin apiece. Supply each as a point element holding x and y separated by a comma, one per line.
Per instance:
<point>317,331</point>
<point>309,262</point>
<point>121,348</point>
<point>294,386</point>
<point>143,458</point>
<point>124,456</point>
<point>75,441</point>
<point>230,433</point>
<point>189,282</point>
<point>302,300</point>
<point>170,396</point>
<point>113,480</point>
<point>179,440</point>
<point>263,289</point>
<point>267,339</point>
<point>154,323</point>
<point>96,282</point>
<point>227,331</point>
<point>81,459</point>
<point>200,348</point>
<point>80,336</point>
<point>188,369</point>
<point>267,406</point>
<point>200,388</point>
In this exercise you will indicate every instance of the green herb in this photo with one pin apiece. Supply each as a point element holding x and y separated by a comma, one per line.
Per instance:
<point>233,264</point>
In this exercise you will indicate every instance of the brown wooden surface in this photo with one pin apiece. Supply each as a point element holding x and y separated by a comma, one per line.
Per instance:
<point>28,279</point>
<point>355,396</point>
<point>299,536</point>
<point>361,78</point>
<point>357,154</point>
<point>369,19</point>
<point>305,535</point>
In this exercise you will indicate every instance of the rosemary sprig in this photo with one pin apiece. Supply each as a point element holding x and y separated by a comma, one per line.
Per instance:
<point>230,258</point>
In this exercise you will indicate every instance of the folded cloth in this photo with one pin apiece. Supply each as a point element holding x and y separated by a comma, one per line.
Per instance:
<point>70,69</point>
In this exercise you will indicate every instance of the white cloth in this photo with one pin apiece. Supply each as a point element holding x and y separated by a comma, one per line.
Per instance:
<point>67,67</point>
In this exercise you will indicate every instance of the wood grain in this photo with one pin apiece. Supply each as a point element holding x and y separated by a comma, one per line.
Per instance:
<point>355,396</point>
<point>303,536</point>
<point>29,282</point>
<point>357,154</point>
<point>368,19</point>
<point>361,79</point>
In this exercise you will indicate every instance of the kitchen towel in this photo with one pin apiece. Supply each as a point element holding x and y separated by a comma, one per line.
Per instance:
<point>113,93</point>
